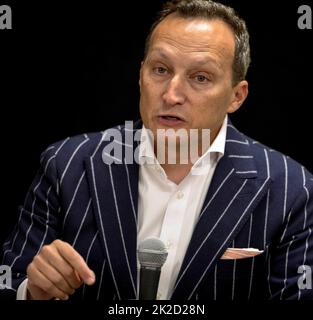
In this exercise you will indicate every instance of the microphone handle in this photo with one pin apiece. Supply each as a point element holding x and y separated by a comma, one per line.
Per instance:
<point>149,282</point>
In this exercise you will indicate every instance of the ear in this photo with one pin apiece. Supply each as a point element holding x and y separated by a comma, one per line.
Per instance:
<point>240,93</point>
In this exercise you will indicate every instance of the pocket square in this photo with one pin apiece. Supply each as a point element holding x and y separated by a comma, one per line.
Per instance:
<point>240,253</point>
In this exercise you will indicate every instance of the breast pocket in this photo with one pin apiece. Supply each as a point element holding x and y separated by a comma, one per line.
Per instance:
<point>240,279</point>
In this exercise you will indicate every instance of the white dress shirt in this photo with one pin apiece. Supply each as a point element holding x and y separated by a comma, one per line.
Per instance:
<point>167,210</point>
<point>170,211</point>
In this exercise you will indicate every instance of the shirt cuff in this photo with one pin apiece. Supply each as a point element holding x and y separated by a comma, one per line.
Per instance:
<point>22,291</point>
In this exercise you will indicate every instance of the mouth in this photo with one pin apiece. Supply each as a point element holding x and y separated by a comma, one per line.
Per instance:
<point>170,120</point>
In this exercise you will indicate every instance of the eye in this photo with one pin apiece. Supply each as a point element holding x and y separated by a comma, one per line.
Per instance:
<point>201,78</point>
<point>160,70</point>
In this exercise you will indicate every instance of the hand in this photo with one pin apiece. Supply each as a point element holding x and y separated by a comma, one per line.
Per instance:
<point>56,271</point>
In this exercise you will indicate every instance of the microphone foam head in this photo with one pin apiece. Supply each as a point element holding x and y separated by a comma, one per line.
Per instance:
<point>152,253</point>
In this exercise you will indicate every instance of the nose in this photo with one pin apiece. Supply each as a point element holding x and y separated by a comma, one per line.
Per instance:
<point>174,93</point>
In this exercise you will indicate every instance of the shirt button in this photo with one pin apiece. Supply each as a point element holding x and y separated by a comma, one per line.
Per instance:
<point>179,195</point>
<point>159,296</point>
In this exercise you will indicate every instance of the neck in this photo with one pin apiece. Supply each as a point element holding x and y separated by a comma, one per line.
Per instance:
<point>177,172</point>
<point>178,159</point>
<point>178,162</point>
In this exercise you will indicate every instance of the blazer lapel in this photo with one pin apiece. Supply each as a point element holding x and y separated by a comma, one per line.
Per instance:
<point>235,190</point>
<point>114,191</point>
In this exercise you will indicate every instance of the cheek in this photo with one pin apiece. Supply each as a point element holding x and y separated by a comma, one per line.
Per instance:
<point>145,89</point>
<point>150,95</point>
<point>148,102</point>
<point>210,112</point>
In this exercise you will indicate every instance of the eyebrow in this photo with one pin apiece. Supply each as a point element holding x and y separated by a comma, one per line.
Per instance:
<point>202,61</point>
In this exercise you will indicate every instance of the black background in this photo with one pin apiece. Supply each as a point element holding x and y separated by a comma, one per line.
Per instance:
<point>73,67</point>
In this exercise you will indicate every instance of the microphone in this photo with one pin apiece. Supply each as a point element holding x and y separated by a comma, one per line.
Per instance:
<point>152,255</point>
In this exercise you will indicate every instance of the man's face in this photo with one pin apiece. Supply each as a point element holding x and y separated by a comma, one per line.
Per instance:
<point>186,78</point>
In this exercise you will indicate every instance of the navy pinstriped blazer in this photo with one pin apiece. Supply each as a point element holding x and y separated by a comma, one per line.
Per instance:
<point>257,198</point>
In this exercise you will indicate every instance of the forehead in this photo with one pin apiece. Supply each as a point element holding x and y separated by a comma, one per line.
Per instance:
<point>197,36</point>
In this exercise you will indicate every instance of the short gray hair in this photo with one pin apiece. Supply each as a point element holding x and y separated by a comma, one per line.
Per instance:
<point>212,10</point>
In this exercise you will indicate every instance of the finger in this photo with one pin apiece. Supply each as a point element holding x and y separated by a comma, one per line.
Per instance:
<point>76,261</point>
<point>35,277</point>
<point>53,257</point>
<point>53,275</point>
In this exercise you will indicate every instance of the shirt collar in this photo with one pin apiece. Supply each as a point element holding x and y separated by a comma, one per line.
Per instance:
<point>146,151</point>
<point>217,149</point>
<point>214,153</point>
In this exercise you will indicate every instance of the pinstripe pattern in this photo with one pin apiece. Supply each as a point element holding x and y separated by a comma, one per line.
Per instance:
<point>252,264</point>
<point>11,242</point>
<point>130,195</point>
<point>29,228</point>
<point>44,152</point>
<point>239,156</point>
<point>304,257</point>
<point>81,224</point>
<point>251,278</point>
<point>101,280</point>
<point>286,186</point>
<point>237,141</point>
<point>211,231</point>
<point>266,218</point>
<point>245,172</point>
<point>121,231</point>
<point>74,196</point>
<point>55,154</point>
<point>218,252</point>
<point>269,276</point>
<point>103,234</point>
<point>257,198</point>
<point>71,159</point>
<point>286,228</point>
<point>286,269</point>
<point>47,224</point>
<point>250,229</point>
<point>307,199</point>
<point>87,258</point>
<point>214,195</point>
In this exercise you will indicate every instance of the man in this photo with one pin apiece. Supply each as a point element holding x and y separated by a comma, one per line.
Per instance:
<point>237,222</point>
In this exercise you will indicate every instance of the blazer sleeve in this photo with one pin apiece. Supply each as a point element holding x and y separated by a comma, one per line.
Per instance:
<point>38,222</point>
<point>291,260</point>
